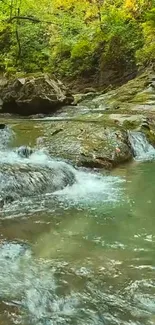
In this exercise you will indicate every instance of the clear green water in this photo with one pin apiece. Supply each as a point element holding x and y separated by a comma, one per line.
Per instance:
<point>87,260</point>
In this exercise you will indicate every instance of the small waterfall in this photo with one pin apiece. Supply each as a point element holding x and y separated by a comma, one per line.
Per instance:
<point>142,149</point>
<point>41,174</point>
<point>26,178</point>
<point>36,173</point>
<point>32,175</point>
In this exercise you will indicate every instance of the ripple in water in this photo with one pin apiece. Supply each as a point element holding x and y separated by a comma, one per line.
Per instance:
<point>56,293</point>
<point>32,287</point>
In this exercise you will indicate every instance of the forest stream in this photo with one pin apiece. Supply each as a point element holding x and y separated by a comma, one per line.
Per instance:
<point>81,254</point>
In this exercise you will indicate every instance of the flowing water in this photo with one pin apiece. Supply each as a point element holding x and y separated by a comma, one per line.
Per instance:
<point>82,255</point>
<point>142,149</point>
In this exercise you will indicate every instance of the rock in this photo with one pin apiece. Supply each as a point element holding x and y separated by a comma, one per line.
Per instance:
<point>2,126</point>
<point>91,144</point>
<point>9,198</point>
<point>33,95</point>
<point>145,126</point>
<point>24,151</point>
<point>89,90</point>
<point>1,203</point>
<point>85,96</point>
<point>136,95</point>
<point>18,180</point>
<point>124,118</point>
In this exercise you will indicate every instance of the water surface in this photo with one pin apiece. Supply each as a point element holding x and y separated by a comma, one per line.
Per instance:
<point>83,255</point>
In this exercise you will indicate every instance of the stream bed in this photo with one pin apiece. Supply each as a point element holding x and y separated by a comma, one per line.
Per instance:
<point>82,255</point>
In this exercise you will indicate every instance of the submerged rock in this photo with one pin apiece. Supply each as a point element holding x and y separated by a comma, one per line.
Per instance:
<point>33,95</point>
<point>2,126</point>
<point>24,151</point>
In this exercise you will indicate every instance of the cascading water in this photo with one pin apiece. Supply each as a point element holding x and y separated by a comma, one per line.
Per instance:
<point>6,135</point>
<point>27,283</point>
<point>142,149</point>
<point>72,256</point>
<point>40,174</point>
<point>26,179</point>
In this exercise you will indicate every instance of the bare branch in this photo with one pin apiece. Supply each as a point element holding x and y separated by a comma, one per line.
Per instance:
<point>35,20</point>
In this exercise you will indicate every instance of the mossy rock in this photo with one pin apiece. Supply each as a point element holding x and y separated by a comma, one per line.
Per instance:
<point>150,135</point>
<point>127,96</point>
<point>90,144</point>
<point>130,125</point>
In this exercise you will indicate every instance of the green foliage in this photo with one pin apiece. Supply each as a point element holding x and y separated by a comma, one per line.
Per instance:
<point>150,17</point>
<point>34,48</point>
<point>146,54</point>
<point>76,37</point>
<point>122,38</point>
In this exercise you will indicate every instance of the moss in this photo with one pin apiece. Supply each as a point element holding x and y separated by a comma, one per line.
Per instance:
<point>21,74</point>
<point>150,134</point>
<point>141,97</point>
<point>130,125</point>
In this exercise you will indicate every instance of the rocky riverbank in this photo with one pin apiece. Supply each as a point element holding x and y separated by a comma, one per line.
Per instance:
<point>93,131</point>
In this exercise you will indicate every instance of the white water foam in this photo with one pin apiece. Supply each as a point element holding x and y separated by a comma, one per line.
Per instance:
<point>88,186</point>
<point>93,187</point>
<point>6,135</point>
<point>30,285</point>
<point>12,157</point>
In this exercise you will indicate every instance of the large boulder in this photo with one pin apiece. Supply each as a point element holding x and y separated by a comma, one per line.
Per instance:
<point>90,144</point>
<point>32,95</point>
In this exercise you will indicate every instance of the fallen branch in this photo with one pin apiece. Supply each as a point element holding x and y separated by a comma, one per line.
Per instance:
<point>35,20</point>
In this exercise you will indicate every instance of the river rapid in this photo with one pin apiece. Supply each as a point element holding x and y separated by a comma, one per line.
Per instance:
<point>82,255</point>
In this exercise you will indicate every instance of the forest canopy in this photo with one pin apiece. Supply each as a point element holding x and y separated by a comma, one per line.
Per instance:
<point>76,37</point>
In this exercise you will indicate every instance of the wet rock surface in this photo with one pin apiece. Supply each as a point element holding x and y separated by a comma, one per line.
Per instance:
<point>91,144</point>
<point>83,255</point>
<point>21,179</point>
<point>95,132</point>
<point>137,94</point>
<point>32,95</point>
